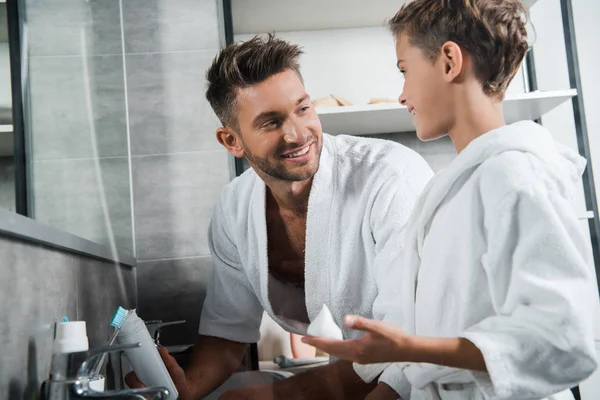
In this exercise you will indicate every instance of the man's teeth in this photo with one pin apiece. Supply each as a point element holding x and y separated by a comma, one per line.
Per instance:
<point>299,153</point>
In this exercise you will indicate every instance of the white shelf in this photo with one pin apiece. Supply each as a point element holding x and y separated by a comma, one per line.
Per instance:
<point>6,128</point>
<point>259,16</point>
<point>389,118</point>
<point>587,215</point>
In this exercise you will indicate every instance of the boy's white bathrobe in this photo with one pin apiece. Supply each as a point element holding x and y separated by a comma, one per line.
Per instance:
<point>360,201</point>
<point>495,253</point>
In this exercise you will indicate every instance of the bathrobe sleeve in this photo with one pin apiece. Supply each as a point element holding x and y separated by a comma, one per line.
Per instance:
<point>541,340</point>
<point>392,207</point>
<point>231,309</point>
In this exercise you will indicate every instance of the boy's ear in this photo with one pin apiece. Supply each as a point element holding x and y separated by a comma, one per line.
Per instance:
<point>231,141</point>
<point>452,61</point>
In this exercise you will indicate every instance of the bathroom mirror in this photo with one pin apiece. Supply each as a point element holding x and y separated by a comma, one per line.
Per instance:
<point>72,168</point>
<point>7,163</point>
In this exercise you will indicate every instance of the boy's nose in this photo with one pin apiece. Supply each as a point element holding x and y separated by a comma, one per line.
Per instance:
<point>402,99</point>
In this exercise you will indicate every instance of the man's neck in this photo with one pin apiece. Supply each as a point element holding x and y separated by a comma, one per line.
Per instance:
<point>475,115</point>
<point>290,196</point>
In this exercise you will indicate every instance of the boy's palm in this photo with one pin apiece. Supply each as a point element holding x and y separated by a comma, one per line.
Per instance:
<point>382,342</point>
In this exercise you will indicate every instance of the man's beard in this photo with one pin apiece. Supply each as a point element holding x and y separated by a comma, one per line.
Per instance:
<point>277,169</point>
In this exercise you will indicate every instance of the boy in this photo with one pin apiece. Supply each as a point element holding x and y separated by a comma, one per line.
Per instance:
<point>497,297</point>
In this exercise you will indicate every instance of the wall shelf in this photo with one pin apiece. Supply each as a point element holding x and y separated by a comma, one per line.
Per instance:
<point>391,117</point>
<point>258,16</point>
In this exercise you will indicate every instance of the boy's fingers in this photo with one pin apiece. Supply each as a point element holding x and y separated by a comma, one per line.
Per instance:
<point>360,323</point>
<point>369,325</point>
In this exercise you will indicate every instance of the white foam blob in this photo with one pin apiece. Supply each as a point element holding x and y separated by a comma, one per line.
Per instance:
<point>325,326</point>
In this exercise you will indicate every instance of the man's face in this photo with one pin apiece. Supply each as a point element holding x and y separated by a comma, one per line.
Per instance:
<point>279,129</point>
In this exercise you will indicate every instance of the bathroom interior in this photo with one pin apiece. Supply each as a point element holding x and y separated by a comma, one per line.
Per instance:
<point>109,166</point>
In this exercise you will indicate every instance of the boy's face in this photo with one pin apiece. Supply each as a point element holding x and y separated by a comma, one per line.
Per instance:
<point>425,92</point>
<point>280,130</point>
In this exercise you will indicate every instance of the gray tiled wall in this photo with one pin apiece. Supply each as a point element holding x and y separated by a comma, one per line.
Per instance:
<point>174,290</point>
<point>7,183</point>
<point>178,166</point>
<point>38,286</point>
<point>77,116</point>
<point>168,113</point>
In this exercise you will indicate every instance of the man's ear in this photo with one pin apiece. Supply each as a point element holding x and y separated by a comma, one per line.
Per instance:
<point>452,61</point>
<point>231,141</point>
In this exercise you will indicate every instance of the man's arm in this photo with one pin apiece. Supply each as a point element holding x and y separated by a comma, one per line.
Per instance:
<point>213,361</point>
<point>336,381</point>
<point>383,392</point>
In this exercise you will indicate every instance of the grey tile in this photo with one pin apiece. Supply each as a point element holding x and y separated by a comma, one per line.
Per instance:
<point>61,123</point>
<point>174,290</point>
<point>173,201</point>
<point>73,27</point>
<point>7,183</point>
<point>167,107</point>
<point>170,25</point>
<point>67,195</point>
<point>38,286</point>
<point>102,288</point>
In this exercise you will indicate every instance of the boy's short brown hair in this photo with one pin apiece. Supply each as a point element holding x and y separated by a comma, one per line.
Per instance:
<point>241,65</point>
<point>493,32</point>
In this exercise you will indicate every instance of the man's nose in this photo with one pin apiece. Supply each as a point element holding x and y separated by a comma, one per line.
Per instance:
<point>295,133</point>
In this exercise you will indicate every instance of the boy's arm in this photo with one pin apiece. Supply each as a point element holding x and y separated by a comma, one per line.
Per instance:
<point>385,342</point>
<point>541,339</point>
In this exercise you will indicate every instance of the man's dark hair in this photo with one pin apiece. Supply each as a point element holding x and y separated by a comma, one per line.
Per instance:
<point>241,65</point>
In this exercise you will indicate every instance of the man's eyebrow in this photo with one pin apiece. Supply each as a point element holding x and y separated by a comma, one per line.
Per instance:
<point>272,114</point>
<point>302,99</point>
<point>263,116</point>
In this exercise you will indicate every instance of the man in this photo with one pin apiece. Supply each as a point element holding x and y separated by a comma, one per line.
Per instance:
<point>318,220</point>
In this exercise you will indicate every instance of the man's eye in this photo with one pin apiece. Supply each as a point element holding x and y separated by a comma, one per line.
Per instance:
<point>304,109</point>
<point>271,124</point>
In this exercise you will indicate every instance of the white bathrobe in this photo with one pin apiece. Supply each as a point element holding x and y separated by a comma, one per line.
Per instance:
<point>495,254</point>
<point>360,201</point>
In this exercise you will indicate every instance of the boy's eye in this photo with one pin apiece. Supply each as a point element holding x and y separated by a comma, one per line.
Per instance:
<point>304,109</point>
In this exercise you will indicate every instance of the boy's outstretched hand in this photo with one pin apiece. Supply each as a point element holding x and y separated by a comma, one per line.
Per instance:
<point>383,342</point>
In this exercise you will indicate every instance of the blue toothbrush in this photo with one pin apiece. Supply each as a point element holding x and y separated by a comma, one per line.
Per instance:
<point>117,321</point>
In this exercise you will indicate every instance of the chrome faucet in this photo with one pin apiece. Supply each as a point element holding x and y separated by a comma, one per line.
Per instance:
<point>154,327</point>
<point>71,374</point>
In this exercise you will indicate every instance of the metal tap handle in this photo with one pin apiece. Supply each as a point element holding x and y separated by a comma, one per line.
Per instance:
<point>86,367</point>
<point>155,326</point>
<point>83,390</point>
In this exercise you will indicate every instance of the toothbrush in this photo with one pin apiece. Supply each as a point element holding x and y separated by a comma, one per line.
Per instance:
<point>117,321</point>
